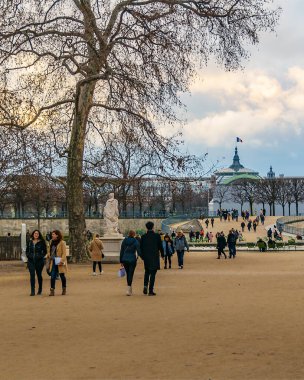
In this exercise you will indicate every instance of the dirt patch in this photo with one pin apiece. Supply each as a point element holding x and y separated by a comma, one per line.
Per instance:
<point>216,319</point>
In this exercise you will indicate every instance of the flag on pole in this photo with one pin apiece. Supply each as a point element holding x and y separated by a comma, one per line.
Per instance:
<point>239,140</point>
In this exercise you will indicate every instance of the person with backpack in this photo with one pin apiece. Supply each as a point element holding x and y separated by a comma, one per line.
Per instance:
<point>129,252</point>
<point>180,245</point>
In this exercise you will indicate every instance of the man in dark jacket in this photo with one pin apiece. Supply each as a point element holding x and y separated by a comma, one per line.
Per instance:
<point>150,247</point>
<point>231,241</point>
<point>221,244</point>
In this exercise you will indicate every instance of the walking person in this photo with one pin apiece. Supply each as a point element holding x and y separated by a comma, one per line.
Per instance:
<point>168,250</point>
<point>180,245</point>
<point>150,247</point>
<point>212,222</point>
<point>210,236</point>
<point>249,225</point>
<point>231,241</point>
<point>243,226</point>
<point>129,252</point>
<point>221,244</point>
<point>35,252</point>
<point>58,261</point>
<point>96,253</point>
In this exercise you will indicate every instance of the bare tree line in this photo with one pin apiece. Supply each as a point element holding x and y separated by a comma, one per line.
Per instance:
<point>269,192</point>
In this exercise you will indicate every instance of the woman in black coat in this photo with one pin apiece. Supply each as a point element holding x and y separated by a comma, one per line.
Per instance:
<point>35,252</point>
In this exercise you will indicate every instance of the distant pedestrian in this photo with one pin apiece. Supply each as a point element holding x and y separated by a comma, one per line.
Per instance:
<point>129,252</point>
<point>168,250</point>
<point>231,241</point>
<point>180,245</point>
<point>269,233</point>
<point>210,236</point>
<point>207,222</point>
<point>95,249</point>
<point>249,225</point>
<point>221,244</point>
<point>212,222</point>
<point>150,247</point>
<point>243,226</point>
<point>35,252</point>
<point>254,225</point>
<point>197,235</point>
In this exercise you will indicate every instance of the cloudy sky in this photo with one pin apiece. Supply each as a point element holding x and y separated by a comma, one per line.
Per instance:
<point>263,104</point>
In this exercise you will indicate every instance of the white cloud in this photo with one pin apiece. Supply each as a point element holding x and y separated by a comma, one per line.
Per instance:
<point>257,106</point>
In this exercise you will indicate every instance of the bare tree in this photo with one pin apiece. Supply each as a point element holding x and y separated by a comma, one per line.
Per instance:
<point>248,187</point>
<point>123,61</point>
<point>222,194</point>
<point>283,192</point>
<point>297,190</point>
<point>237,194</point>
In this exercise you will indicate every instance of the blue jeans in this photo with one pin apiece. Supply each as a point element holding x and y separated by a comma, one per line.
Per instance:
<point>232,250</point>
<point>180,257</point>
<point>54,274</point>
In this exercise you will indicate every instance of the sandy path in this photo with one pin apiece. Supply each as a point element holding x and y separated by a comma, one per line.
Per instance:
<point>216,319</point>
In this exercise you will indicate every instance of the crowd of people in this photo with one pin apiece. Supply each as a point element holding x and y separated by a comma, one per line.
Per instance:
<point>51,252</point>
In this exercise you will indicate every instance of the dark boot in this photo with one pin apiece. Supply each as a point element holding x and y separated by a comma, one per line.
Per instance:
<point>39,292</point>
<point>32,292</point>
<point>52,292</point>
<point>145,291</point>
<point>63,291</point>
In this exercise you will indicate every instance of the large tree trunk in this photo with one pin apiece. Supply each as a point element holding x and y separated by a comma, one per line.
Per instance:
<point>77,226</point>
<point>283,208</point>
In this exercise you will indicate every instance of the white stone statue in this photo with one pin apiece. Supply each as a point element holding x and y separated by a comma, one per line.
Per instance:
<point>110,214</point>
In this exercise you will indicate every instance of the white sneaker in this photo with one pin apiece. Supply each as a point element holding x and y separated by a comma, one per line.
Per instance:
<point>100,273</point>
<point>129,291</point>
<point>94,274</point>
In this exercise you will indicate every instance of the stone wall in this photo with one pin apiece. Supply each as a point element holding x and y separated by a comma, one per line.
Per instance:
<point>94,225</point>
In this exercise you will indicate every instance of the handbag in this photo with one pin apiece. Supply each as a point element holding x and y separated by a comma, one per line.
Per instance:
<point>121,272</point>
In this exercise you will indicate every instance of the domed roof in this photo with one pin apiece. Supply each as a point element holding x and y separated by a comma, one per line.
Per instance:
<point>235,171</point>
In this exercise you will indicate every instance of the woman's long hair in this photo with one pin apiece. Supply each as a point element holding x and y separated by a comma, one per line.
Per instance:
<point>40,235</point>
<point>59,234</point>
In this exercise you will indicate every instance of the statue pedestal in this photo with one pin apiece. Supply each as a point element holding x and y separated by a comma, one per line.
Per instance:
<point>112,244</point>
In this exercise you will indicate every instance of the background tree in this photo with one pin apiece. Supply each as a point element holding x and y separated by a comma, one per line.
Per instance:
<point>248,188</point>
<point>283,190</point>
<point>237,194</point>
<point>222,194</point>
<point>117,63</point>
<point>297,190</point>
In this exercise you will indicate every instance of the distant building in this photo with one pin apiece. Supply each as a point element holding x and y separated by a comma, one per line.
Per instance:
<point>271,173</point>
<point>234,172</point>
